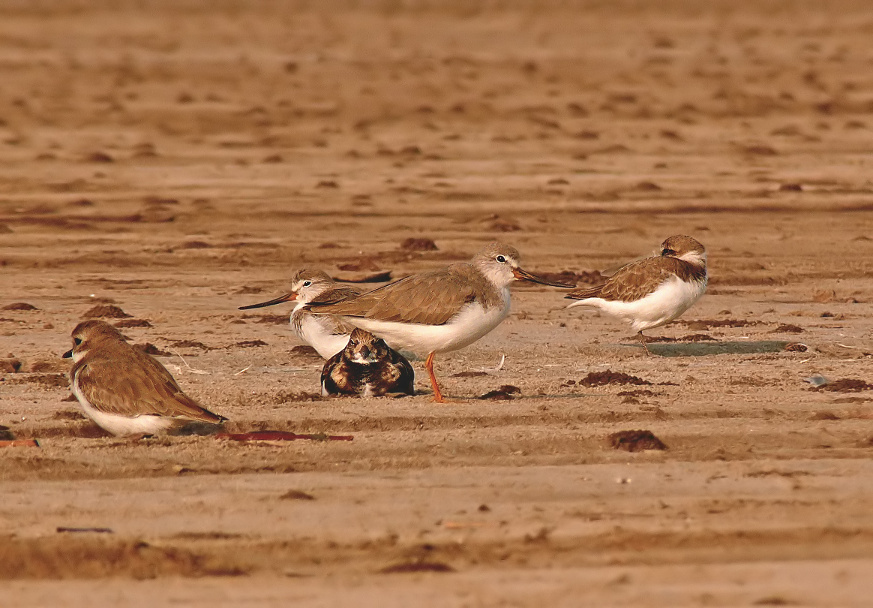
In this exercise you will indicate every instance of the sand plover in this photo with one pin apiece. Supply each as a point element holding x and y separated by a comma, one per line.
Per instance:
<point>653,291</point>
<point>367,367</point>
<point>441,310</point>
<point>125,391</point>
<point>328,335</point>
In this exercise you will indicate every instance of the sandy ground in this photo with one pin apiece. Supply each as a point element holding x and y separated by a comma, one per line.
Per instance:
<point>178,161</point>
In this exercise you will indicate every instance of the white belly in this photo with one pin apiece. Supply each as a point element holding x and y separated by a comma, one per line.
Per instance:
<point>470,324</point>
<point>661,306</point>
<point>123,425</point>
<point>316,331</point>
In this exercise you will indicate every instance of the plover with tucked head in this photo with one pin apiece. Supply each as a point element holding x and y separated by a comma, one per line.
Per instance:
<point>367,367</point>
<point>328,335</point>
<point>441,310</point>
<point>653,291</point>
<point>124,390</point>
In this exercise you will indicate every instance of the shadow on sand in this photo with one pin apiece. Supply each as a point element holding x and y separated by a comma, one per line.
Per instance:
<point>702,349</point>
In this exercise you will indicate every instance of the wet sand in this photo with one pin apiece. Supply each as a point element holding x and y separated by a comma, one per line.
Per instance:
<point>178,163</point>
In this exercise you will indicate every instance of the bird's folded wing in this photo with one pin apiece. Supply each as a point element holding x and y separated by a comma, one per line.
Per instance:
<point>632,282</point>
<point>587,292</point>
<point>430,298</point>
<point>130,390</point>
<point>338,327</point>
<point>335,294</point>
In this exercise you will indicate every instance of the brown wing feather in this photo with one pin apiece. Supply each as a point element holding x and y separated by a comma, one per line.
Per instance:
<point>430,298</point>
<point>336,294</point>
<point>132,383</point>
<point>586,292</point>
<point>638,279</point>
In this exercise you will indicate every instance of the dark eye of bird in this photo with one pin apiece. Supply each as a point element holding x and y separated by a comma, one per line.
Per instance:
<point>307,283</point>
<point>77,341</point>
<point>501,259</point>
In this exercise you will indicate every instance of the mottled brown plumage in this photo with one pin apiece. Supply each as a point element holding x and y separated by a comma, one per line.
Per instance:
<point>638,279</point>
<point>368,367</point>
<point>653,291</point>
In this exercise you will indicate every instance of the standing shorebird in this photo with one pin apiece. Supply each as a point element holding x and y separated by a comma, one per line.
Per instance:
<point>125,391</point>
<point>653,291</point>
<point>441,310</point>
<point>367,367</point>
<point>328,335</point>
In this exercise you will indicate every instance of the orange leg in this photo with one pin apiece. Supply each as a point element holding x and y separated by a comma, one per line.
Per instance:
<point>437,394</point>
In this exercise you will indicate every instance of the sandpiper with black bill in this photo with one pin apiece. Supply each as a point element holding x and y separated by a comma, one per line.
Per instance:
<point>326,334</point>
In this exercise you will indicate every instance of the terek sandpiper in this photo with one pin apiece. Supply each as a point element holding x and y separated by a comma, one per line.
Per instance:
<point>326,334</point>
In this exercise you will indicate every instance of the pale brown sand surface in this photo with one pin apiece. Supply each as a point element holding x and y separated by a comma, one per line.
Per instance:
<point>181,159</point>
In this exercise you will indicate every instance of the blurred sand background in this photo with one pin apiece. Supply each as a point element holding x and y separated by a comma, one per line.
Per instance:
<point>177,160</point>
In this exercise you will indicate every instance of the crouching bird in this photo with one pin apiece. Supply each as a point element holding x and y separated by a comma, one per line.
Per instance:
<point>366,367</point>
<point>126,391</point>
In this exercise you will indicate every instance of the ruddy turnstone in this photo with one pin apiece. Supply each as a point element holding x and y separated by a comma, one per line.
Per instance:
<point>367,367</point>
<point>653,291</point>
<point>441,310</point>
<point>126,391</point>
<point>326,334</point>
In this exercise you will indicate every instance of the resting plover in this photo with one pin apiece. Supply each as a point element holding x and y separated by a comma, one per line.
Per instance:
<point>653,291</point>
<point>125,391</point>
<point>367,367</point>
<point>441,310</point>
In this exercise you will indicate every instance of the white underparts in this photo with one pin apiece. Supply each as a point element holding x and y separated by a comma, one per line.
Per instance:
<point>471,323</point>
<point>123,425</point>
<point>317,333</point>
<point>673,297</point>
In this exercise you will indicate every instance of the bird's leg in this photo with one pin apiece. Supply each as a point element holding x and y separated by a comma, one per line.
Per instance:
<point>437,394</point>
<point>643,342</point>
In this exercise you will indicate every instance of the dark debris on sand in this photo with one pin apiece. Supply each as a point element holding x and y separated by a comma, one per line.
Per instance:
<point>504,393</point>
<point>844,385</point>
<point>610,377</point>
<point>636,441</point>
